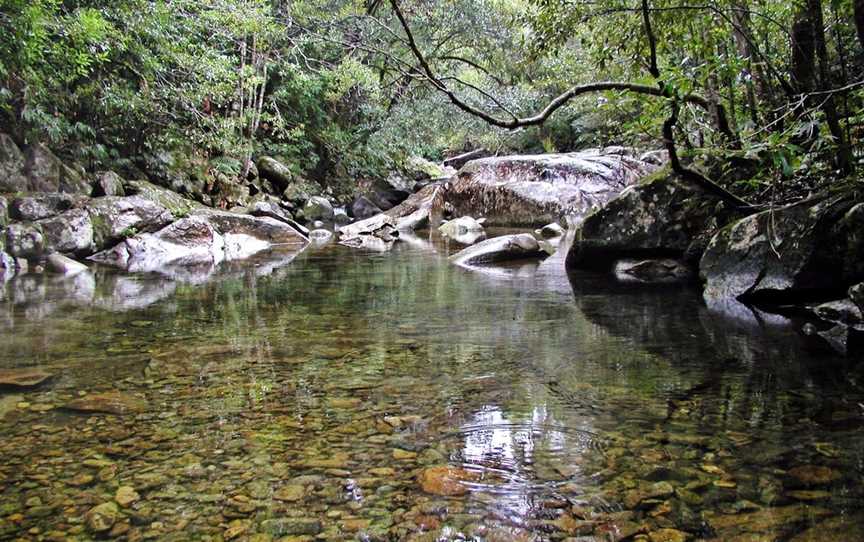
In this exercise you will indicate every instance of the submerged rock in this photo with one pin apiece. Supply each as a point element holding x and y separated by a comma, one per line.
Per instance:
<point>537,189</point>
<point>102,517</point>
<point>113,402</point>
<point>446,481</point>
<point>23,378</point>
<point>497,249</point>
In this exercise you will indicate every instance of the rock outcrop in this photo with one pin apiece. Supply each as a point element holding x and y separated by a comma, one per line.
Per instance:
<point>205,238</point>
<point>662,216</point>
<point>798,252</point>
<point>535,190</point>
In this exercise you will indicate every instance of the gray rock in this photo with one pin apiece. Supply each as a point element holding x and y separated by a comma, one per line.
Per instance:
<point>22,266</point>
<point>69,233</point>
<point>4,211</point>
<point>24,240</point>
<point>38,206</point>
<point>42,168</point>
<point>59,263</point>
<point>551,231</point>
<point>340,216</point>
<point>537,189</point>
<point>115,218</point>
<point>108,183</point>
<point>788,253</point>
<point>497,249</point>
<point>205,238</point>
<point>460,226</point>
<point>12,178</point>
<point>662,216</point>
<point>275,171</point>
<point>381,226</point>
<point>174,202</point>
<point>318,208</point>
<point>362,208</point>
<point>7,266</point>
<point>73,180</point>
<point>856,294</point>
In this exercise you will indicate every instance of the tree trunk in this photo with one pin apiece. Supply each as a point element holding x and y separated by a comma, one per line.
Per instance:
<point>859,20</point>
<point>803,52</point>
<point>844,152</point>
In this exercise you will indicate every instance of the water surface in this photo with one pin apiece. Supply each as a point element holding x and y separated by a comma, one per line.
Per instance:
<point>323,397</point>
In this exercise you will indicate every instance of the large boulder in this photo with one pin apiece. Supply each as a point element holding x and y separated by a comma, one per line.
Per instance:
<point>362,208</point>
<point>70,232</point>
<point>115,218</point>
<point>24,240</point>
<point>205,238</point>
<point>662,216</point>
<point>12,177</point>
<point>318,208</point>
<point>499,249</point>
<point>73,180</point>
<point>42,168</point>
<point>534,190</point>
<point>805,250</point>
<point>275,171</point>
<point>174,202</point>
<point>39,206</point>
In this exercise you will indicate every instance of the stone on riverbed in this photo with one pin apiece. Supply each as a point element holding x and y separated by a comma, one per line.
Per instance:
<point>102,517</point>
<point>112,402</point>
<point>23,378</point>
<point>498,249</point>
<point>446,481</point>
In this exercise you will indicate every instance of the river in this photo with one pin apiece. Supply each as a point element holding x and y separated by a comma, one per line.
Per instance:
<point>345,395</point>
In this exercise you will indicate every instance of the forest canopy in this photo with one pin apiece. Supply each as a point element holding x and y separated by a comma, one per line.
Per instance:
<point>343,91</point>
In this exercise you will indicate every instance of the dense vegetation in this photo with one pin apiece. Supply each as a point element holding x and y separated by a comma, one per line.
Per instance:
<point>345,91</point>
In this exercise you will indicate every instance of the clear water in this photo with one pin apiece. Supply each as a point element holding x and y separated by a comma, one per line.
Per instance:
<point>320,399</point>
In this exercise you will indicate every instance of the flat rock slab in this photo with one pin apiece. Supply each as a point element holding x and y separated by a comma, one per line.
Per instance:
<point>23,378</point>
<point>112,402</point>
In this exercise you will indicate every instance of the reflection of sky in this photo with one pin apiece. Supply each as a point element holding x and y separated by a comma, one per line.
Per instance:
<point>511,453</point>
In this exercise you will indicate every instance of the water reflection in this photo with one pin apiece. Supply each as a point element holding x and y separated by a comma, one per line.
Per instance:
<point>312,399</point>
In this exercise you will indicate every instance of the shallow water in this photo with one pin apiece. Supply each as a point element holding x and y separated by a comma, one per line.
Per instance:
<point>320,399</point>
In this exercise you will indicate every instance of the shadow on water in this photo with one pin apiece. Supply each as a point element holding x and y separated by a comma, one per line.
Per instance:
<point>349,395</point>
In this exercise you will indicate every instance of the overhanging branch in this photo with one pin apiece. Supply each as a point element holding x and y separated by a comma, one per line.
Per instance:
<point>556,103</point>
